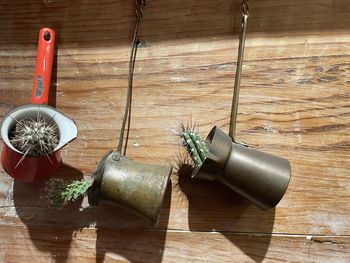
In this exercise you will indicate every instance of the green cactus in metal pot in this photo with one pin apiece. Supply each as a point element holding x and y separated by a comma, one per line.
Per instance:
<point>194,144</point>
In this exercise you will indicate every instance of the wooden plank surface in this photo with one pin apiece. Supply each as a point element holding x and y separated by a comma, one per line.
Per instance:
<point>110,245</point>
<point>294,103</point>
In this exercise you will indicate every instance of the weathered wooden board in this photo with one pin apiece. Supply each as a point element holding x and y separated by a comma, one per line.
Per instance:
<point>110,245</point>
<point>294,103</point>
<point>288,118</point>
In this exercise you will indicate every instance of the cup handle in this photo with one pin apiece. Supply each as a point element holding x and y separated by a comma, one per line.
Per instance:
<point>43,68</point>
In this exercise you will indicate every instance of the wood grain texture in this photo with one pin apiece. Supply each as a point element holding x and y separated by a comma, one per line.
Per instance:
<point>294,103</point>
<point>110,245</point>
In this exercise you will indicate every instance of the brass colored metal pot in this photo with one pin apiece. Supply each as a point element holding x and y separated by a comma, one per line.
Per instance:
<point>260,177</point>
<point>138,187</point>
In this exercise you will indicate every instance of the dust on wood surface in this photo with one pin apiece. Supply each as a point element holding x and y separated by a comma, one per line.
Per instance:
<point>294,103</point>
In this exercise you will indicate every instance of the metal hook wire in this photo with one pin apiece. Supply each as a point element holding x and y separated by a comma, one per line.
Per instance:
<point>127,112</point>
<point>245,8</point>
<point>235,99</point>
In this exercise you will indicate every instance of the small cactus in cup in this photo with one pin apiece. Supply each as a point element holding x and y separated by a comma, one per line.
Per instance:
<point>35,136</point>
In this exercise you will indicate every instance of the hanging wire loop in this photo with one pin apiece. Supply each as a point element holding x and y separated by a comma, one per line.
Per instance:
<point>139,4</point>
<point>235,99</point>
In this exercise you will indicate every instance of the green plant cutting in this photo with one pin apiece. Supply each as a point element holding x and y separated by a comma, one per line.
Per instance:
<point>194,144</point>
<point>60,192</point>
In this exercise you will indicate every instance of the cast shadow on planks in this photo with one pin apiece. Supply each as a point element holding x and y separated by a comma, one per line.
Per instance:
<point>110,23</point>
<point>53,83</point>
<point>54,230</point>
<point>220,200</point>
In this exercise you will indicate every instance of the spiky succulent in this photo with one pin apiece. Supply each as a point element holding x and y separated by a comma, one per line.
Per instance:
<point>59,192</point>
<point>194,144</point>
<point>35,136</point>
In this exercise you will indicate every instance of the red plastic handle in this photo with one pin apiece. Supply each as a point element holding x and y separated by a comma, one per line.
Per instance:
<point>43,68</point>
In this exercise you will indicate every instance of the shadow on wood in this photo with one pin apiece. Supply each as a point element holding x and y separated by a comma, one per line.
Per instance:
<point>210,203</point>
<point>53,230</point>
<point>148,243</point>
<point>77,23</point>
<point>53,84</point>
<point>83,23</point>
<point>54,239</point>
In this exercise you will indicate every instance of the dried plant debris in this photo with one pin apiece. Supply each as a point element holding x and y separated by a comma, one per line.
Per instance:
<point>194,144</point>
<point>35,136</point>
<point>59,192</point>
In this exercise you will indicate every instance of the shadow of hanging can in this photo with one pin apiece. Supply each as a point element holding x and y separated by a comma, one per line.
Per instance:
<point>260,177</point>
<point>138,187</point>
